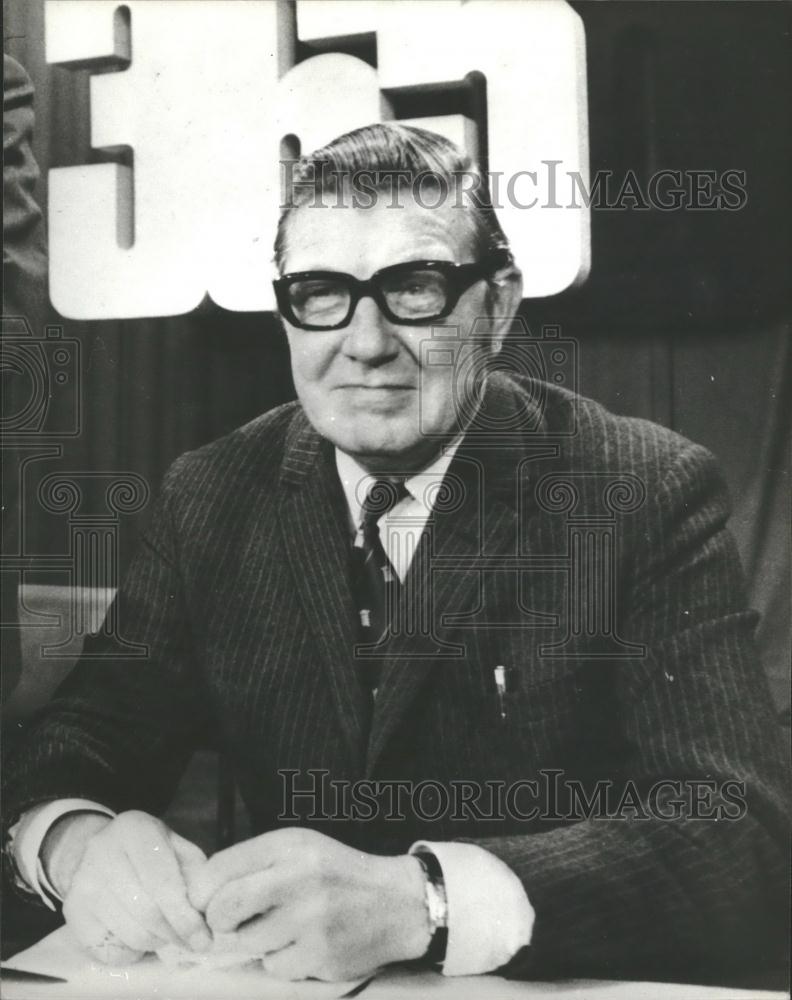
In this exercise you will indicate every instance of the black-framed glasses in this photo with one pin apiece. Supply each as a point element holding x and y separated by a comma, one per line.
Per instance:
<point>414,293</point>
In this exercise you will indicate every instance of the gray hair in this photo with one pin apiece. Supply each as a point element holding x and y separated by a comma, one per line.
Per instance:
<point>392,156</point>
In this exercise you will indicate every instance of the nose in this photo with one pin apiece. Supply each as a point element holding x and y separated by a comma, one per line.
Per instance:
<point>370,338</point>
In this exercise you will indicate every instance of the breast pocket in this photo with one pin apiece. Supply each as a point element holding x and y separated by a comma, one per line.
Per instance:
<point>540,725</point>
<point>526,698</point>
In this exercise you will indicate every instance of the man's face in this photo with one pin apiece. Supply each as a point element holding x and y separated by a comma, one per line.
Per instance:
<point>363,387</point>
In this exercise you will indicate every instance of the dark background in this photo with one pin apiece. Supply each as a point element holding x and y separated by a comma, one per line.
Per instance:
<point>685,319</point>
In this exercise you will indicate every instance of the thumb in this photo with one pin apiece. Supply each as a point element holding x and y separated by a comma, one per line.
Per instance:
<point>191,862</point>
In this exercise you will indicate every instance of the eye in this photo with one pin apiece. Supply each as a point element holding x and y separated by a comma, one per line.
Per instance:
<point>303,292</point>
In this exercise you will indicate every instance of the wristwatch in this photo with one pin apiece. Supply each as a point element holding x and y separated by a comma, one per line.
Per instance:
<point>436,908</point>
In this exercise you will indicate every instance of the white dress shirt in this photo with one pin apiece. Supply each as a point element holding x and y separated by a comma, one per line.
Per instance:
<point>489,915</point>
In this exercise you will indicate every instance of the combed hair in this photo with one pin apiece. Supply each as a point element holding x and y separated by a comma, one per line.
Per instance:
<point>392,156</point>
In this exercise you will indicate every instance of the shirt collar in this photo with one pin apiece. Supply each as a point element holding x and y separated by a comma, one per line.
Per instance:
<point>355,480</point>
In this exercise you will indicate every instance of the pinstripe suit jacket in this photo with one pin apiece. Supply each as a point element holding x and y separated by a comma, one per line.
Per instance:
<point>618,609</point>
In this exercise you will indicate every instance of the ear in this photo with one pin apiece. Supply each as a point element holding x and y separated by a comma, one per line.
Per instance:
<point>505,292</point>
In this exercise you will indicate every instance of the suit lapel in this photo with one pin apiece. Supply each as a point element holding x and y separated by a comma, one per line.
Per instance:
<point>485,523</point>
<point>413,657</point>
<point>313,522</point>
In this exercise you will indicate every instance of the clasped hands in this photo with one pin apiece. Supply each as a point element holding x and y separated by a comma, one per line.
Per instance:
<point>305,904</point>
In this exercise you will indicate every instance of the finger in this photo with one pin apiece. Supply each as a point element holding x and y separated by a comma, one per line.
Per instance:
<point>112,952</point>
<point>244,898</point>
<point>144,911</point>
<point>188,854</point>
<point>124,928</point>
<point>97,939</point>
<point>190,857</point>
<point>115,878</point>
<point>157,867</point>
<point>188,923</point>
<point>226,866</point>
<point>286,964</point>
<point>261,936</point>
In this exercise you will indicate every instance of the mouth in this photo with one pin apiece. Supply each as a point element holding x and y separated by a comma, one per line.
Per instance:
<point>378,387</point>
<point>377,397</point>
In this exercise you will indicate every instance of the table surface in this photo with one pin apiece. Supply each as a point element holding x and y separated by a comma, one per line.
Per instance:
<point>58,955</point>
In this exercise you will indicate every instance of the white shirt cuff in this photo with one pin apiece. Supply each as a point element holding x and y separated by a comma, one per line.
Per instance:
<point>28,835</point>
<point>489,915</point>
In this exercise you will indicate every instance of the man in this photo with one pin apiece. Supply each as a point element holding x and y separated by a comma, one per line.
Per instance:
<point>374,583</point>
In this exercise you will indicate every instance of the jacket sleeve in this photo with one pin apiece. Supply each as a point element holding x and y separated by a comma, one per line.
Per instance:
<point>642,896</point>
<point>121,727</point>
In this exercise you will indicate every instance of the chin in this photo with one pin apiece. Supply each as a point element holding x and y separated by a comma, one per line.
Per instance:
<point>378,443</point>
<point>375,451</point>
<point>376,448</point>
<point>363,435</point>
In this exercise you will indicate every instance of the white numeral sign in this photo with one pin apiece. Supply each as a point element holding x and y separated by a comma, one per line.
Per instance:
<point>210,89</point>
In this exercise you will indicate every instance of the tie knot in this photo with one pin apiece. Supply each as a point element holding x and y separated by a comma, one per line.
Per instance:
<point>382,496</point>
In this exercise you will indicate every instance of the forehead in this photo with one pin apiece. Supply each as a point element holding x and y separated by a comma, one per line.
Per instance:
<point>360,240</point>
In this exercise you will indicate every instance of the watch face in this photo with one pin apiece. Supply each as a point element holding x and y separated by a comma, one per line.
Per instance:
<point>436,902</point>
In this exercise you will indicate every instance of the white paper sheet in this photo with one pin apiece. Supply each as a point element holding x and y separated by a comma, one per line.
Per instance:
<point>59,955</point>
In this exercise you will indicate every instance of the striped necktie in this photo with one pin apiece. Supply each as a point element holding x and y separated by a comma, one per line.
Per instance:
<point>375,582</point>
